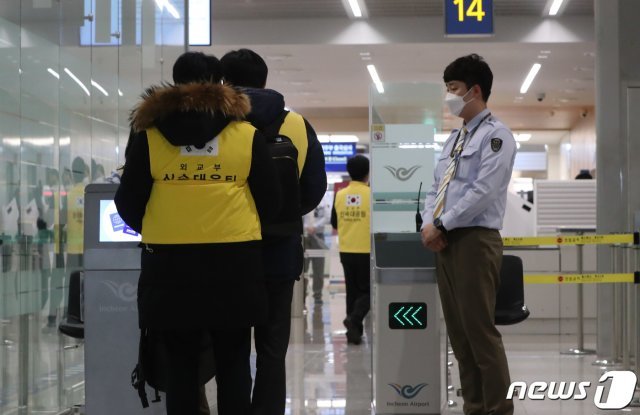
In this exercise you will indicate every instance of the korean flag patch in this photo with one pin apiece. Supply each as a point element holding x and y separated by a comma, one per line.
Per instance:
<point>496,144</point>
<point>353,200</point>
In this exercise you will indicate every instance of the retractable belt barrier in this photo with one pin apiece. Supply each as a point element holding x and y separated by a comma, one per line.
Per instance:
<point>630,238</point>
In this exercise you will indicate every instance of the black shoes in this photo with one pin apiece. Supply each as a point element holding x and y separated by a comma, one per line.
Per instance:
<point>354,331</point>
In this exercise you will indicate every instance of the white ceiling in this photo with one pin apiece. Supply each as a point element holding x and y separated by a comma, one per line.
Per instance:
<point>329,83</point>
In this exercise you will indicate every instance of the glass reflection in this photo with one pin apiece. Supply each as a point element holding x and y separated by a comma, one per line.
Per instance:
<point>64,103</point>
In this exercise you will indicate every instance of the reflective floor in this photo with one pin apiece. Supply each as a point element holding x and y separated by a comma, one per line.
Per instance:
<point>325,375</point>
<point>328,377</point>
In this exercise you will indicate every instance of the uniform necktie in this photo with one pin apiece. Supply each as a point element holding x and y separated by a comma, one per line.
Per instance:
<point>448,175</point>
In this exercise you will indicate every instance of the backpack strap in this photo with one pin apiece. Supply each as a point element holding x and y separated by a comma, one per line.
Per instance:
<point>294,127</point>
<point>273,129</point>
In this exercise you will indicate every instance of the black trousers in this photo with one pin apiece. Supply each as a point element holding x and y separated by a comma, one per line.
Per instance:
<point>232,349</point>
<point>357,275</point>
<point>272,341</point>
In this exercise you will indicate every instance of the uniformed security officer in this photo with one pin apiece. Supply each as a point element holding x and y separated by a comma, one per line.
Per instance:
<point>197,184</point>
<point>351,217</point>
<point>463,215</point>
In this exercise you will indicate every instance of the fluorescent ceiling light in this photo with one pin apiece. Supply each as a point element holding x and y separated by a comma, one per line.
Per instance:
<point>555,7</point>
<point>99,88</point>
<point>530,77</point>
<point>355,8</point>
<point>199,22</point>
<point>79,82</point>
<point>64,141</point>
<point>120,92</point>
<point>375,78</point>
<point>170,8</point>
<point>54,73</point>
<point>337,138</point>
<point>11,141</point>
<point>522,137</point>
<point>39,141</point>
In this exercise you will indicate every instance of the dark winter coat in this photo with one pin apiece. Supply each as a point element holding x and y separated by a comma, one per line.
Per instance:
<point>283,256</point>
<point>191,286</point>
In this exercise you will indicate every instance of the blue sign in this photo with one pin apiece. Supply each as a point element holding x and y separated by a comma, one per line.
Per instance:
<point>336,155</point>
<point>468,17</point>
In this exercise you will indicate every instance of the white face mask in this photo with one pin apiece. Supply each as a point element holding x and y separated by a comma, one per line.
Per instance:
<point>456,103</point>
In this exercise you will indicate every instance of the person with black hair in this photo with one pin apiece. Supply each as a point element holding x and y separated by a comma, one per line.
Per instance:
<point>197,185</point>
<point>463,214</point>
<point>351,215</point>
<point>283,255</point>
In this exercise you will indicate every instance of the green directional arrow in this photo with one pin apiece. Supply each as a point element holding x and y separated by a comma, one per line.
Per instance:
<point>396,315</point>
<point>414,315</point>
<point>405,315</point>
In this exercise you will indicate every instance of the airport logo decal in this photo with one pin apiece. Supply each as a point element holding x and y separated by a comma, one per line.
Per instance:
<point>126,291</point>
<point>401,173</point>
<point>407,391</point>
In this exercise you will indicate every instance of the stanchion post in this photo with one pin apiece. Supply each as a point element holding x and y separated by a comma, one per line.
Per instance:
<point>612,360</point>
<point>450,402</point>
<point>579,350</point>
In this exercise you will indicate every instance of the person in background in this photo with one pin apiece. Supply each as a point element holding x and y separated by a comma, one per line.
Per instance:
<point>584,175</point>
<point>351,216</point>
<point>75,214</point>
<point>463,214</point>
<point>283,255</point>
<point>314,223</point>
<point>197,185</point>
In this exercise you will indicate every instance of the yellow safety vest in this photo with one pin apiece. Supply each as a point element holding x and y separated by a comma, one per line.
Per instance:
<point>294,128</point>
<point>353,210</point>
<point>75,219</point>
<point>201,195</point>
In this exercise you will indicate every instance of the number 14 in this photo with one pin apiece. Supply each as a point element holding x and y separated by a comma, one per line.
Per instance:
<point>474,10</point>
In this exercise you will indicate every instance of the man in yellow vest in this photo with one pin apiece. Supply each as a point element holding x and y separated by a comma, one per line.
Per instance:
<point>283,255</point>
<point>197,183</point>
<point>351,216</point>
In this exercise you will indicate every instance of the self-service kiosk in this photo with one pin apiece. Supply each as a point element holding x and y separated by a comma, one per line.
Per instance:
<point>112,269</point>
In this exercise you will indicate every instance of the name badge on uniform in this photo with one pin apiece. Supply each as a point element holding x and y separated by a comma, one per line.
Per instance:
<point>496,144</point>
<point>209,149</point>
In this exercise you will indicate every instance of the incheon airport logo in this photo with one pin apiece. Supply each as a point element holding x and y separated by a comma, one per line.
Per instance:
<point>620,388</point>
<point>125,291</point>
<point>408,391</point>
<point>401,173</point>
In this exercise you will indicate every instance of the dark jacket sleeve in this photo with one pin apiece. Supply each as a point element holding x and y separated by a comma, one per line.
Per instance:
<point>136,182</point>
<point>313,180</point>
<point>265,190</point>
<point>334,215</point>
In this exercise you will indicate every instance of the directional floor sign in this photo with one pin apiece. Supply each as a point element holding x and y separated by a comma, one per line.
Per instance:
<point>407,316</point>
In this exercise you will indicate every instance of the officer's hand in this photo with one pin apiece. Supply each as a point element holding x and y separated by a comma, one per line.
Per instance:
<point>439,243</point>
<point>311,230</point>
<point>429,234</point>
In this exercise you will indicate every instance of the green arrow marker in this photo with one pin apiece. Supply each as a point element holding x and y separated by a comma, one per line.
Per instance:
<point>414,315</point>
<point>396,315</point>
<point>405,315</point>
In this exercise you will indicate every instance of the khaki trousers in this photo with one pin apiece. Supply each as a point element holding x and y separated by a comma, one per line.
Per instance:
<point>468,273</point>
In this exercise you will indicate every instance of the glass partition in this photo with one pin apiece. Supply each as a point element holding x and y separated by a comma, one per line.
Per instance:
<point>70,72</point>
<point>403,152</point>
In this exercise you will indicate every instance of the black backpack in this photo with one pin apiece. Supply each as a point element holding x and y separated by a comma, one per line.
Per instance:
<point>285,157</point>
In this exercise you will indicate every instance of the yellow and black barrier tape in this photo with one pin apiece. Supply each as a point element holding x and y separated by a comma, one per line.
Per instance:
<point>628,238</point>
<point>581,278</point>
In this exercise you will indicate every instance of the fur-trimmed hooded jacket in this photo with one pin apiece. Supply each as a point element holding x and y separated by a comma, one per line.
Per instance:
<point>196,285</point>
